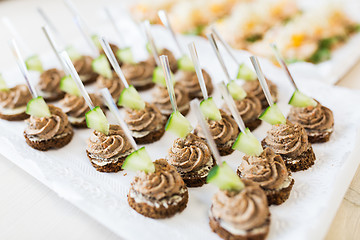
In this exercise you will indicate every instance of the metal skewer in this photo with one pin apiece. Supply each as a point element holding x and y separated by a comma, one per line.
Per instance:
<point>200,76</point>
<point>54,46</point>
<point>195,104</point>
<point>218,55</point>
<point>283,64</point>
<point>20,62</point>
<point>225,44</point>
<point>231,104</point>
<point>114,63</point>
<point>51,25</point>
<point>71,69</point>
<point>169,81</point>
<point>165,20</point>
<point>115,111</point>
<point>261,77</point>
<point>150,39</point>
<point>15,34</point>
<point>82,26</point>
<point>115,26</point>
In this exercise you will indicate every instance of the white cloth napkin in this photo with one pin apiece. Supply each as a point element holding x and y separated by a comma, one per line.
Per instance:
<point>307,214</point>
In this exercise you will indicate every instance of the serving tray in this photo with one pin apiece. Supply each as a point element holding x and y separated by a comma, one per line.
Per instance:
<point>307,214</point>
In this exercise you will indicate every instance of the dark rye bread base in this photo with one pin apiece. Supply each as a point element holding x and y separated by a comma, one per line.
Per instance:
<point>265,104</point>
<point>275,197</point>
<point>161,212</point>
<point>144,87</point>
<point>225,150</point>
<point>252,125</point>
<point>183,112</point>
<point>79,124</point>
<point>91,79</point>
<point>306,159</point>
<point>151,137</point>
<point>224,234</point>
<point>15,117</point>
<point>321,138</point>
<point>111,167</point>
<point>44,145</point>
<point>194,180</point>
<point>199,95</point>
<point>55,97</point>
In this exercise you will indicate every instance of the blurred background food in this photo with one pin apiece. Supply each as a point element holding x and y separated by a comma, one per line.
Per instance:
<point>301,34</point>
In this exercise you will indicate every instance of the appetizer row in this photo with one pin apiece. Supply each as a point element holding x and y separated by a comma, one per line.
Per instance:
<point>160,188</point>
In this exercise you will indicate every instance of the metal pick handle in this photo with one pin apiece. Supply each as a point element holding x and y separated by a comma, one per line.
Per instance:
<point>283,64</point>
<point>261,77</point>
<point>214,45</point>
<point>165,20</point>
<point>195,104</point>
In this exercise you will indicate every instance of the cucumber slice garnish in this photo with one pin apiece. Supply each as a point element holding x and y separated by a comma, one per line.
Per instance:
<point>196,31</point>
<point>130,98</point>
<point>236,91</point>
<point>96,41</point>
<point>178,124</point>
<point>210,110</point>
<point>185,63</point>
<point>148,48</point>
<point>139,160</point>
<point>248,144</point>
<point>125,55</point>
<point>246,73</point>
<point>73,53</point>
<point>96,119</point>
<point>225,178</point>
<point>33,63</point>
<point>101,66</point>
<point>273,115</point>
<point>68,85</point>
<point>37,107</point>
<point>159,77</point>
<point>298,99</point>
<point>3,86</point>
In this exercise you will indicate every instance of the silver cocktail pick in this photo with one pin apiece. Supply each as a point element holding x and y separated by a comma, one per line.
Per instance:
<point>283,64</point>
<point>231,104</point>
<point>169,81</point>
<point>83,27</point>
<point>195,104</point>
<point>16,35</point>
<point>74,75</point>
<point>165,20</point>
<point>200,76</point>
<point>52,27</point>
<point>114,63</point>
<point>21,63</point>
<point>261,77</point>
<point>214,45</point>
<point>112,20</point>
<point>115,111</point>
<point>150,39</point>
<point>54,46</point>
<point>225,44</point>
